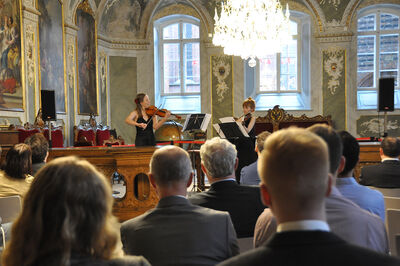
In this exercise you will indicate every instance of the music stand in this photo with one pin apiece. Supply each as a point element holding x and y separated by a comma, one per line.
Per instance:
<point>231,130</point>
<point>196,122</point>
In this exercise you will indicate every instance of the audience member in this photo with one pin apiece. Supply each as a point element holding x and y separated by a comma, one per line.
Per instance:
<point>366,198</point>
<point>66,220</point>
<point>387,173</point>
<point>295,193</point>
<point>218,162</point>
<point>15,179</point>
<point>176,232</point>
<point>40,151</point>
<point>248,174</point>
<point>345,218</point>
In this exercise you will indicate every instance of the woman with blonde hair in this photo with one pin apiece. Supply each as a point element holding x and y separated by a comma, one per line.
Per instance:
<point>66,220</point>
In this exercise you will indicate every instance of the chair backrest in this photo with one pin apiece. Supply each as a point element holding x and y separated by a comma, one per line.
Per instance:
<point>388,192</point>
<point>10,207</point>
<point>392,203</point>
<point>245,244</point>
<point>393,217</point>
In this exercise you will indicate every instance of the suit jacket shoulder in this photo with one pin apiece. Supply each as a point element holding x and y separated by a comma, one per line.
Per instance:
<point>185,234</point>
<point>242,202</point>
<point>310,248</point>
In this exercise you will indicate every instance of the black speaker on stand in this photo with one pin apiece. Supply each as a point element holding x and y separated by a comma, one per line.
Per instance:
<point>48,109</point>
<point>386,99</point>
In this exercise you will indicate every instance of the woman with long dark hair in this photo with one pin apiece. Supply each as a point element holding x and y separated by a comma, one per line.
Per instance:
<point>66,220</point>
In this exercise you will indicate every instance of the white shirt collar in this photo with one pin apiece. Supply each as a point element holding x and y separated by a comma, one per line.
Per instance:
<point>228,179</point>
<point>303,225</point>
<point>390,159</point>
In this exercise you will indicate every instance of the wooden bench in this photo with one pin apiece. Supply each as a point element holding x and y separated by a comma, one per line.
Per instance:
<point>277,118</point>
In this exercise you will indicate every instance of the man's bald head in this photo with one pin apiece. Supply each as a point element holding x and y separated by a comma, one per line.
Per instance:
<point>169,165</point>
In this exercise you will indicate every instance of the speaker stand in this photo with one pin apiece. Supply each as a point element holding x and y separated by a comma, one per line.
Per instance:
<point>385,125</point>
<point>50,142</point>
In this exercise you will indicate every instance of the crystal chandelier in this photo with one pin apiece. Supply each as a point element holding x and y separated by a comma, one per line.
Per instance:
<point>252,28</point>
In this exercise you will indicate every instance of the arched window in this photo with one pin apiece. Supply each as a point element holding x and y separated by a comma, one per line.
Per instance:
<point>177,63</point>
<point>283,78</point>
<point>377,52</point>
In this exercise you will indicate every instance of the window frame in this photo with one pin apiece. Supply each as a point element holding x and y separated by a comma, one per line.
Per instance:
<point>159,25</point>
<point>299,99</point>
<point>278,58</point>
<point>377,11</point>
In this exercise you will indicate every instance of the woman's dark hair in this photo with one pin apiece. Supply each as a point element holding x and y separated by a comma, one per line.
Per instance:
<point>138,100</point>
<point>18,162</point>
<point>67,210</point>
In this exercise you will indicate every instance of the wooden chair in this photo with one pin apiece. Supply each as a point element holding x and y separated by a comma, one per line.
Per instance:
<point>277,118</point>
<point>393,217</point>
<point>10,207</point>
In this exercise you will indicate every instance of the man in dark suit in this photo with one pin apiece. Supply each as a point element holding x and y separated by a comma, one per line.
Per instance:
<point>295,193</point>
<point>248,174</point>
<point>176,232</point>
<point>218,162</point>
<point>387,173</point>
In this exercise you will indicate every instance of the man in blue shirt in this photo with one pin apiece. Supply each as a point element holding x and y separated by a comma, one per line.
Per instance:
<point>366,198</point>
<point>248,174</point>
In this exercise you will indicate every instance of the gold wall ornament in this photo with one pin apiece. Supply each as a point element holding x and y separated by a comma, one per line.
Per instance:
<point>333,67</point>
<point>85,7</point>
<point>30,54</point>
<point>103,72</point>
<point>71,64</point>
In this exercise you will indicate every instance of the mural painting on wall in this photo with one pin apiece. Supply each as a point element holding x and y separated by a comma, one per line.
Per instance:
<point>87,85</point>
<point>371,126</point>
<point>11,87</point>
<point>334,85</point>
<point>51,50</point>
<point>121,18</point>
<point>221,87</point>
<point>333,10</point>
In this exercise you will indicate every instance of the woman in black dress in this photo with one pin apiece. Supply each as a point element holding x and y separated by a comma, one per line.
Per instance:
<point>245,146</point>
<point>144,124</point>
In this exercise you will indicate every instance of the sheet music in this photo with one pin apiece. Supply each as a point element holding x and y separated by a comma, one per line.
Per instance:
<point>227,119</point>
<point>206,121</point>
<point>203,118</point>
<point>219,131</point>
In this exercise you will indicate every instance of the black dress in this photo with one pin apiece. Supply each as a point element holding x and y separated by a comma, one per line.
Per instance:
<point>245,148</point>
<point>145,137</point>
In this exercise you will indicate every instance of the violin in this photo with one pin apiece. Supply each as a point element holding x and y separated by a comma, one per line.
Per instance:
<point>152,110</point>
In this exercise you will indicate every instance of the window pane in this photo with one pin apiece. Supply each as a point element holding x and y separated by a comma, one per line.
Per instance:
<point>389,61</point>
<point>190,31</point>
<point>172,70</point>
<point>365,62</point>
<point>289,67</point>
<point>268,73</point>
<point>365,79</point>
<point>365,44</point>
<point>171,32</point>
<point>389,22</point>
<point>366,23</point>
<point>389,43</point>
<point>293,28</point>
<point>192,67</point>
